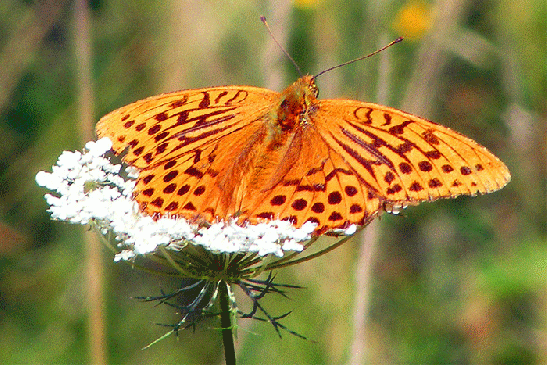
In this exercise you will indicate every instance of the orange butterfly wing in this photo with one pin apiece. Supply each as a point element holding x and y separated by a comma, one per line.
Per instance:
<point>252,153</point>
<point>181,141</point>
<point>406,159</point>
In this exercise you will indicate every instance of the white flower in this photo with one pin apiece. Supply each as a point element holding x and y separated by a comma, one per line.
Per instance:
<point>88,188</point>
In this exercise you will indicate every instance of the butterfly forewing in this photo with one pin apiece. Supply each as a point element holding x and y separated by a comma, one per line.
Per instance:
<point>406,158</point>
<point>181,142</point>
<point>166,126</point>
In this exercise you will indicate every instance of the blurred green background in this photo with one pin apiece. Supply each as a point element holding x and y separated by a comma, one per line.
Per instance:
<point>461,281</point>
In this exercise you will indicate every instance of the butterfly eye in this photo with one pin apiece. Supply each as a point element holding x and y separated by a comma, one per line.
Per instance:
<point>314,89</point>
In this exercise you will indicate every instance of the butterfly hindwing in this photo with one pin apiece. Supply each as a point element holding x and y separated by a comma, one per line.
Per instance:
<point>321,187</point>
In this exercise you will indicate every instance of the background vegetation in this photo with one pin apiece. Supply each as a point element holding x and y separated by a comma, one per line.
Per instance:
<point>459,281</point>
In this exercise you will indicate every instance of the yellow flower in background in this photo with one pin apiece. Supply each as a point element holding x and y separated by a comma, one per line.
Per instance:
<point>413,20</point>
<point>306,3</point>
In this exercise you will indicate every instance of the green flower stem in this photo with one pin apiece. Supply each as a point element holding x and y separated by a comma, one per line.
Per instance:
<point>226,323</point>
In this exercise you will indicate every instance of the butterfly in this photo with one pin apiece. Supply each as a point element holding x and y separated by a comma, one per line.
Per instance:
<point>252,154</point>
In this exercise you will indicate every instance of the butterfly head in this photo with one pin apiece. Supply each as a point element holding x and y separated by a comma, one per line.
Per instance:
<point>308,86</point>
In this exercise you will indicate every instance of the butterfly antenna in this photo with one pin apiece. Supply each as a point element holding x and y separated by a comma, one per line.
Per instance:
<point>263,20</point>
<point>360,58</point>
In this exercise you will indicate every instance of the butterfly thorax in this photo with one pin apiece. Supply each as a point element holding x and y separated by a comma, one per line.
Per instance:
<point>295,104</point>
<point>285,124</point>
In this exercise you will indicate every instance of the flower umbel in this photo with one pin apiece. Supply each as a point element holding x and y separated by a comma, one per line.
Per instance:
<point>88,188</point>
